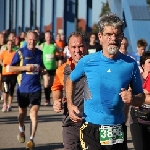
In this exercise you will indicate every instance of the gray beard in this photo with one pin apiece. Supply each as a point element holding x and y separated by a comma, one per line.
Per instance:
<point>113,50</point>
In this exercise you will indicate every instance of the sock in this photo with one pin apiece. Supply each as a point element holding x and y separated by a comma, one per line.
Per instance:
<point>47,93</point>
<point>21,129</point>
<point>31,138</point>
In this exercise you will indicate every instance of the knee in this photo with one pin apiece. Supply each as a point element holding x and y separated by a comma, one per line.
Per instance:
<point>22,111</point>
<point>33,115</point>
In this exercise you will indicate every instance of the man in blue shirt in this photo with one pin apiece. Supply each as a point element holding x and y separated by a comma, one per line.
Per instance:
<point>29,64</point>
<point>141,47</point>
<point>109,74</point>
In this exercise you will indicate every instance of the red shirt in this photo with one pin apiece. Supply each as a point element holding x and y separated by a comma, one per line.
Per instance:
<point>146,84</point>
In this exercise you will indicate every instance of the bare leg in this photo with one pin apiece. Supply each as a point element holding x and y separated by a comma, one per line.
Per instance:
<point>33,116</point>
<point>22,115</point>
<point>4,109</point>
<point>0,82</point>
<point>5,97</point>
<point>60,63</point>
<point>51,81</point>
<point>10,98</point>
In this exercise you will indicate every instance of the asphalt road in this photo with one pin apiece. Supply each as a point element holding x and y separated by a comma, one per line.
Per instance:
<point>48,135</point>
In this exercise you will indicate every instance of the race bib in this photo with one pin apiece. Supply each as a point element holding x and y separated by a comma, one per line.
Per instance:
<point>110,135</point>
<point>36,69</point>
<point>49,57</point>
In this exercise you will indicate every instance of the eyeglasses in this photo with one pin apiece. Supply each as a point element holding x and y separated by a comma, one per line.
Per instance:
<point>125,44</point>
<point>110,35</point>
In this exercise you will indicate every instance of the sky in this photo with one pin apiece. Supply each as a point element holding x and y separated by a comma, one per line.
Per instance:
<point>97,5</point>
<point>96,9</point>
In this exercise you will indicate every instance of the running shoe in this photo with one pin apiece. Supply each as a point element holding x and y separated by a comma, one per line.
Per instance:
<point>9,108</point>
<point>21,136</point>
<point>4,109</point>
<point>47,102</point>
<point>30,144</point>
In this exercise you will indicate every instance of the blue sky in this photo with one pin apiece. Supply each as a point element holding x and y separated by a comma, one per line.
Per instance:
<point>96,10</point>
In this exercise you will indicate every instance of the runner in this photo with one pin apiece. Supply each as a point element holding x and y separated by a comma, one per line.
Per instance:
<point>24,43</point>
<point>60,48</point>
<point>49,60</point>
<point>17,42</point>
<point>123,50</point>
<point>66,53</point>
<point>38,38</point>
<point>22,38</point>
<point>92,45</point>
<point>11,37</point>
<point>9,79</point>
<point>2,40</point>
<point>29,64</point>
<point>141,47</point>
<point>140,116</point>
<point>124,46</point>
<point>71,138</point>
<point>109,74</point>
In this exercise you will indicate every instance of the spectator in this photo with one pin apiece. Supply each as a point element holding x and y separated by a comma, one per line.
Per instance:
<point>93,46</point>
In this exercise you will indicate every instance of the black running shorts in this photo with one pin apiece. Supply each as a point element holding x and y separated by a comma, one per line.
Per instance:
<point>89,137</point>
<point>25,99</point>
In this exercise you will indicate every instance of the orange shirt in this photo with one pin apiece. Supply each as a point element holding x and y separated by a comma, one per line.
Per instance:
<point>60,44</point>
<point>58,83</point>
<point>6,57</point>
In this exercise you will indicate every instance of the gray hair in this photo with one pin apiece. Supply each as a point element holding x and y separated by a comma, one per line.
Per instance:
<point>30,31</point>
<point>110,19</point>
<point>35,33</point>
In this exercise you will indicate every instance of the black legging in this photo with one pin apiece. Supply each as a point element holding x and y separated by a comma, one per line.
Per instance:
<point>47,93</point>
<point>140,136</point>
<point>11,82</point>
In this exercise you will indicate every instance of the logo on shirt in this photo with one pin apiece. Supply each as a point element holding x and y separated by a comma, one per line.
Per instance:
<point>108,70</point>
<point>28,57</point>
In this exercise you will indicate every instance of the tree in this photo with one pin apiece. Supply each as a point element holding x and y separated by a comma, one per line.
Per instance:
<point>148,2</point>
<point>95,28</point>
<point>105,8</point>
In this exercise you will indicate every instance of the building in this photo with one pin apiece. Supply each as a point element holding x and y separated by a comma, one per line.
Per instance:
<point>24,15</point>
<point>136,14</point>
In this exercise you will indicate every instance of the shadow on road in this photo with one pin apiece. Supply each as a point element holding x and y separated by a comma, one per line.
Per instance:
<point>130,141</point>
<point>44,118</point>
<point>52,146</point>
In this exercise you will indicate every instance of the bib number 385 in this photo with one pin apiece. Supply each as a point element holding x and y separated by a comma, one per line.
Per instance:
<point>110,135</point>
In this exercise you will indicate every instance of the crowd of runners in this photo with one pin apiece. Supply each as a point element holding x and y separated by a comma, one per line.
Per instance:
<point>94,81</point>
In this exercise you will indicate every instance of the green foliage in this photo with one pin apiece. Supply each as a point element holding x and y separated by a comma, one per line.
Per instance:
<point>79,29</point>
<point>148,2</point>
<point>95,28</point>
<point>105,8</point>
